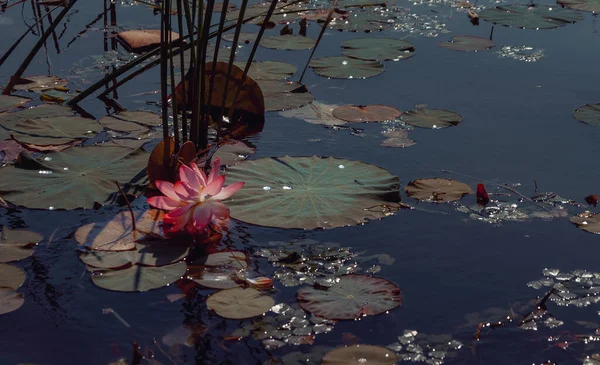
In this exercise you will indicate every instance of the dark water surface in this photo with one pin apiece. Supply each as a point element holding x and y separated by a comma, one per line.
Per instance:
<point>518,128</point>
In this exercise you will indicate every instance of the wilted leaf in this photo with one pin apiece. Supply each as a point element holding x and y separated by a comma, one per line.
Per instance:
<point>341,67</point>
<point>378,49</point>
<point>138,278</point>
<point>431,118</point>
<point>468,43</point>
<point>437,190</point>
<point>11,276</point>
<point>239,303</point>
<point>366,113</point>
<point>310,192</point>
<point>17,244</point>
<point>351,297</point>
<point>359,355</point>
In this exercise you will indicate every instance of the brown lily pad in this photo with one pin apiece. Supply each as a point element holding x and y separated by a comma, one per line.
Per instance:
<point>17,244</point>
<point>139,41</point>
<point>437,190</point>
<point>588,221</point>
<point>366,113</point>
<point>39,83</point>
<point>10,300</point>
<point>397,138</point>
<point>359,355</point>
<point>239,303</point>
<point>11,276</point>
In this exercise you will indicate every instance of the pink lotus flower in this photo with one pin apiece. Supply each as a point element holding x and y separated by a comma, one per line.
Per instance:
<point>195,199</point>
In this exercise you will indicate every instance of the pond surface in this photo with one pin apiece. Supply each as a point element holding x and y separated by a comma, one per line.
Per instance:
<point>518,129</point>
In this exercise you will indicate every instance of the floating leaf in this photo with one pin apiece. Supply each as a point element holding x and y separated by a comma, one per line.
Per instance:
<point>217,270</point>
<point>8,102</point>
<point>42,111</point>
<point>233,152</point>
<point>366,113</point>
<point>311,192</point>
<point>17,244</point>
<point>371,19</point>
<point>11,150</point>
<point>378,49</point>
<point>353,296</point>
<point>148,253</point>
<point>138,278</point>
<point>74,178</point>
<point>139,41</point>
<point>359,355</point>
<point>10,300</point>
<point>437,190</point>
<point>244,37</point>
<point>533,16</point>
<point>134,121</point>
<point>11,276</point>
<point>239,303</point>
<point>340,67</point>
<point>281,95</point>
<point>288,42</point>
<point>468,43</point>
<point>52,130</point>
<point>431,118</point>
<point>315,113</point>
<point>39,83</point>
<point>117,234</point>
<point>584,5</point>
<point>589,113</point>
<point>588,221</point>
<point>397,138</point>
<point>269,70</point>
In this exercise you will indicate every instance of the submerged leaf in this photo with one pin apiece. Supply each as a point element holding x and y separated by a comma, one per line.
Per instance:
<point>378,49</point>
<point>366,113</point>
<point>311,192</point>
<point>341,67</point>
<point>437,190</point>
<point>359,355</point>
<point>17,244</point>
<point>533,16</point>
<point>351,297</point>
<point>239,303</point>
<point>431,118</point>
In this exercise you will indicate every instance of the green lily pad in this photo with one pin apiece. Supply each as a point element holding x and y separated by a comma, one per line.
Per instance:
<point>437,190</point>
<point>587,221</point>
<point>17,244</point>
<point>138,278</point>
<point>378,49</point>
<point>117,233</point>
<point>288,42</point>
<point>39,83</point>
<point>583,5</point>
<point>134,121</point>
<point>340,67</point>
<point>11,276</point>
<point>589,113</point>
<point>280,95</point>
<point>10,300</point>
<point>42,111</point>
<point>360,354</point>
<point>148,253</point>
<point>8,102</point>
<point>52,130</point>
<point>239,303</point>
<point>365,20</point>
<point>366,113</point>
<point>468,43</point>
<point>77,177</point>
<point>431,118</point>
<point>269,70</point>
<point>311,192</point>
<point>532,16</point>
<point>353,296</point>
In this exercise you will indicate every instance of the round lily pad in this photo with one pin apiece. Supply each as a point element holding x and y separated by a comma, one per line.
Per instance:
<point>10,300</point>
<point>269,70</point>
<point>288,42</point>
<point>138,278</point>
<point>468,43</point>
<point>117,233</point>
<point>378,49</point>
<point>584,5</point>
<point>360,355</point>
<point>589,113</point>
<point>341,67</point>
<point>74,178</point>
<point>17,244</point>
<point>39,83</point>
<point>8,102</point>
<point>280,95</point>
<point>352,297</point>
<point>366,113</point>
<point>431,118</point>
<point>437,190</point>
<point>239,303</point>
<point>533,16</point>
<point>52,130</point>
<point>147,252</point>
<point>11,276</point>
<point>587,221</point>
<point>310,192</point>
